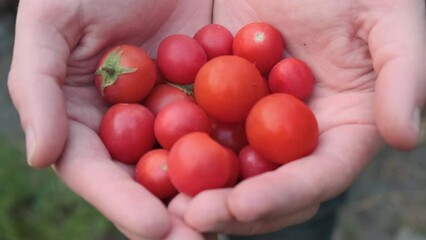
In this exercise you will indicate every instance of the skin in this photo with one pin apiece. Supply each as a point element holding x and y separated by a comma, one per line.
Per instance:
<point>367,57</point>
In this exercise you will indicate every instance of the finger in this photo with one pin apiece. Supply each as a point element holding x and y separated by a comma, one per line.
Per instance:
<point>180,231</point>
<point>208,212</point>
<point>340,156</point>
<point>179,205</point>
<point>88,170</point>
<point>397,44</point>
<point>38,68</point>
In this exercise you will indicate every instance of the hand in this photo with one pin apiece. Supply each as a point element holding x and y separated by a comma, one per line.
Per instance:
<point>57,47</point>
<point>368,58</point>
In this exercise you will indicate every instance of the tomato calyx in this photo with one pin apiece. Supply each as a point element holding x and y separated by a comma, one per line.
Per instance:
<point>111,69</point>
<point>188,89</point>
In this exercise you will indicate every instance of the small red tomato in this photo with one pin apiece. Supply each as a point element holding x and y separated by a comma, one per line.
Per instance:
<point>230,135</point>
<point>177,119</point>
<point>215,39</point>
<point>260,43</point>
<point>226,87</point>
<point>197,163</point>
<point>127,131</point>
<point>180,57</point>
<point>291,76</point>
<point>125,74</point>
<point>252,164</point>
<point>282,128</point>
<point>151,171</point>
<point>164,94</point>
<point>160,79</point>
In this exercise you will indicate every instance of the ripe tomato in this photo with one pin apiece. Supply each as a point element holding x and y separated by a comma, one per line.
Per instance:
<point>291,76</point>
<point>164,94</point>
<point>152,172</point>
<point>226,87</point>
<point>125,74</point>
<point>230,135</point>
<point>180,57</point>
<point>160,79</point>
<point>197,163</point>
<point>177,119</point>
<point>215,39</point>
<point>282,128</point>
<point>252,164</point>
<point>261,44</point>
<point>127,131</point>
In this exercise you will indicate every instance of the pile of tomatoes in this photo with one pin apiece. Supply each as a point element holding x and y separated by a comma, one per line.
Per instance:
<point>210,111</point>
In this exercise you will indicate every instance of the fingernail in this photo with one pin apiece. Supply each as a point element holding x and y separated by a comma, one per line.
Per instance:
<point>30,145</point>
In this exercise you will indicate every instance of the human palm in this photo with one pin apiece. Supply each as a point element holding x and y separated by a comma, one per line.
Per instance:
<point>349,48</point>
<point>344,43</point>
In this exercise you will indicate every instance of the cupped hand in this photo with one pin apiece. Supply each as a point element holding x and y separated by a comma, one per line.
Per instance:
<point>368,59</point>
<point>51,82</point>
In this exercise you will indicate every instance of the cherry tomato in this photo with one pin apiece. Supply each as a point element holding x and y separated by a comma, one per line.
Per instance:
<point>230,135</point>
<point>164,94</point>
<point>291,76</point>
<point>197,163</point>
<point>215,39</point>
<point>226,87</point>
<point>160,79</point>
<point>252,164</point>
<point>260,43</point>
<point>151,171</point>
<point>177,119</point>
<point>282,128</point>
<point>125,74</point>
<point>180,57</point>
<point>127,131</point>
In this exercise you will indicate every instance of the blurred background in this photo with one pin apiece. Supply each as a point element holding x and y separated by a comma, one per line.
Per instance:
<point>387,202</point>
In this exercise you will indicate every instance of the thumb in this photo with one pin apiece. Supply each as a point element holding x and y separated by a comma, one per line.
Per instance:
<point>398,47</point>
<point>35,82</point>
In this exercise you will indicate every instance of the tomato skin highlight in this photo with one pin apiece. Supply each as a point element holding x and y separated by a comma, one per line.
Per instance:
<point>127,131</point>
<point>226,87</point>
<point>216,40</point>
<point>134,84</point>
<point>282,128</point>
<point>178,119</point>
<point>253,164</point>
<point>180,57</point>
<point>152,172</point>
<point>198,163</point>
<point>292,76</point>
<point>261,44</point>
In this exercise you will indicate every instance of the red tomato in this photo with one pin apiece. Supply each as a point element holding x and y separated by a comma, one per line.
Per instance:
<point>252,164</point>
<point>227,87</point>
<point>177,119</point>
<point>180,57</point>
<point>230,135</point>
<point>291,76</point>
<point>125,74</point>
<point>261,44</point>
<point>160,79</point>
<point>197,163</point>
<point>127,131</point>
<point>215,39</point>
<point>164,94</point>
<point>151,171</point>
<point>282,128</point>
